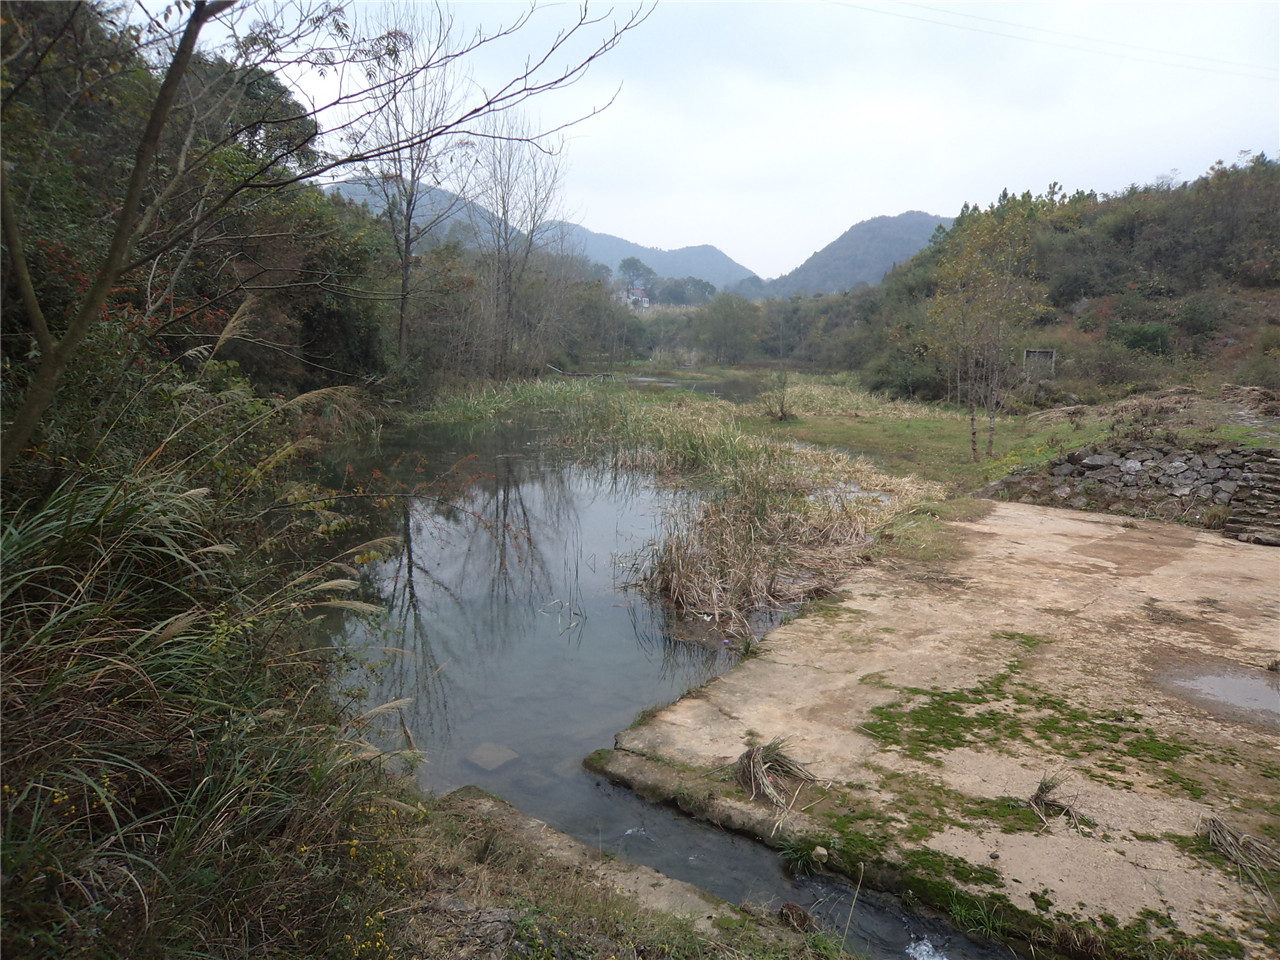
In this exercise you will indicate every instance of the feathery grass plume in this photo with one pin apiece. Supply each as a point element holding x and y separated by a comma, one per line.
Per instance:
<point>177,780</point>
<point>237,325</point>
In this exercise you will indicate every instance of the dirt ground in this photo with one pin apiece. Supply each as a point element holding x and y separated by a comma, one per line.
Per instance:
<point>935,698</point>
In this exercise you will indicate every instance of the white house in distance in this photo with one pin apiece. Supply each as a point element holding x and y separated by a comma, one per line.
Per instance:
<point>633,297</point>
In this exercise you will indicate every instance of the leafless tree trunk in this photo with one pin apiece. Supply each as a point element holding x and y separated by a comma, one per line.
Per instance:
<point>516,197</point>
<point>291,40</point>
<point>421,185</point>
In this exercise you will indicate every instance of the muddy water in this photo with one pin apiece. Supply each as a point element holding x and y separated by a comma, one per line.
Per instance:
<point>517,651</point>
<point>1251,696</point>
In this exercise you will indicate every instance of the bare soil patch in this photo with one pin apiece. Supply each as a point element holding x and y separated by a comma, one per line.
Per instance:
<point>933,699</point>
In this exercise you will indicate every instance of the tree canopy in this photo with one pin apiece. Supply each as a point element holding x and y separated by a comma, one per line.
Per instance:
<point>149,156</point>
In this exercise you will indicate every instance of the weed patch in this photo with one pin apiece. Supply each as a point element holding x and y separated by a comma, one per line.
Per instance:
<point>1149,747</point>
<point>933,721</point>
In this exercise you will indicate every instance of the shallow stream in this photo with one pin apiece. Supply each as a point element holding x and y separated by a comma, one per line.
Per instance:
<point>521,653</point>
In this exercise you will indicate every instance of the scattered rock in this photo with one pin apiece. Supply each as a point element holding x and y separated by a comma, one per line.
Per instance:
<point>797,917</point>
<point>490,756</point>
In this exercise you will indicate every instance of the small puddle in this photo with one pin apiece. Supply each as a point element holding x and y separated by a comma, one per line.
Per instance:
<point>1252,696</point>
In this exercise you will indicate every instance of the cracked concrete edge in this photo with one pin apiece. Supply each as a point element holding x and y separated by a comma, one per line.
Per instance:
<point>652,890</point>
<point>658,782</point>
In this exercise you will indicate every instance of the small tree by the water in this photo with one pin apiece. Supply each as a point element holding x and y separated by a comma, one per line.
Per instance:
<point>986,296</point>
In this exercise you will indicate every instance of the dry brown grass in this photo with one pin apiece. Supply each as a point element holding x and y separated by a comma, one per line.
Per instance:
<point>806,397</point>
<point>1253,858</point>
<point>1149,407</point>
<point>1046,805</point>
<point>1258,400</point>
<point>768,772</point>
<point>761,523</point>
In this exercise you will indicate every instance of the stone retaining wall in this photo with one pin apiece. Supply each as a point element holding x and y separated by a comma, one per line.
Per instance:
<point>1146,479</point>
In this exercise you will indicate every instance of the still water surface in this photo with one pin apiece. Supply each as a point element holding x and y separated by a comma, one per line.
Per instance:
<point>509,629</point>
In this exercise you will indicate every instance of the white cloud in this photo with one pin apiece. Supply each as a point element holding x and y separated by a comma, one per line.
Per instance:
<point>767,129</point>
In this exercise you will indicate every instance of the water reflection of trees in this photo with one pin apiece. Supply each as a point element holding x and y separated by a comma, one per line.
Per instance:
<point>685,651</point>
<point>469,576</point>
<point>472,573</point>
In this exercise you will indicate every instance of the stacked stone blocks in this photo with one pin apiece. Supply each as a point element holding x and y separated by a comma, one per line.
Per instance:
<point>1237,484</point>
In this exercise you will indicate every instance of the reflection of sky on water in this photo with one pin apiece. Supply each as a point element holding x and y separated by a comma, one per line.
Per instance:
<point>1251,696</point>
<point>507,630</point>
<point>506,627</point>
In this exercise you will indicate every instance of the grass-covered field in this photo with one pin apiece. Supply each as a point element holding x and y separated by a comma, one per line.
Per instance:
<point>933,441</point>
<point>182,772</point>
<point>181,776</point>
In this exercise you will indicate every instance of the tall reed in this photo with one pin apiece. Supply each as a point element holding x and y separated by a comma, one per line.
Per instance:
<point>178,775</point>
<point>761,523</point>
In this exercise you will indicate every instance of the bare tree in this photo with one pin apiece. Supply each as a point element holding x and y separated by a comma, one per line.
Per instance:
<point>420,186</point>
<point>513,217</point>
<point>309,44</point>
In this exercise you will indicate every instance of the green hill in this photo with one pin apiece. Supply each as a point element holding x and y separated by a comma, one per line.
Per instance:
<point>863,254</point>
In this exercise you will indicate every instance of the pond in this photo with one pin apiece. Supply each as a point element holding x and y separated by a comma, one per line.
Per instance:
<point>519,652</point>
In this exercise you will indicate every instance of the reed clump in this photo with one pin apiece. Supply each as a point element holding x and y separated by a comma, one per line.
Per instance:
<point>758,523</point>
<point>1045,804</point>
<point>180,776</point>
<point>767,771</point>
<point>1257,861</point>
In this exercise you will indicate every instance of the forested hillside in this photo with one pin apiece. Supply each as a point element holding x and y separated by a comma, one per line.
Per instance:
<point>1160,284</point>
<point>218,242</point>
<point>860,256</point>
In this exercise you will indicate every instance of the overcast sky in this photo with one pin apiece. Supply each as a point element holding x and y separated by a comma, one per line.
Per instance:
<point>768,129</point>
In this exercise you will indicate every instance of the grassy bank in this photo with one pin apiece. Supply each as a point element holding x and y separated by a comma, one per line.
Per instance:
<point>183,771</point>
<point>181,776</point>
<point>932,441</point>
<point>489,891</point>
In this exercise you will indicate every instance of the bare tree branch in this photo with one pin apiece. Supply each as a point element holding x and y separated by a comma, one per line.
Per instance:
<point>157,217</point>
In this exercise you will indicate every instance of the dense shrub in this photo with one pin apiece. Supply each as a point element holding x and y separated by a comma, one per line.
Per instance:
<point>1150,338</point>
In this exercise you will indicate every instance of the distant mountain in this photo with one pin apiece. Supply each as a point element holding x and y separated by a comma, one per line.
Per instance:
<point>863,254</point>
<point>455,213</point>
<point>704,262</point>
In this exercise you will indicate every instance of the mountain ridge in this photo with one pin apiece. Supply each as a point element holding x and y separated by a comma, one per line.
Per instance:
<point>862,254</point>
<point>704,261</point>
